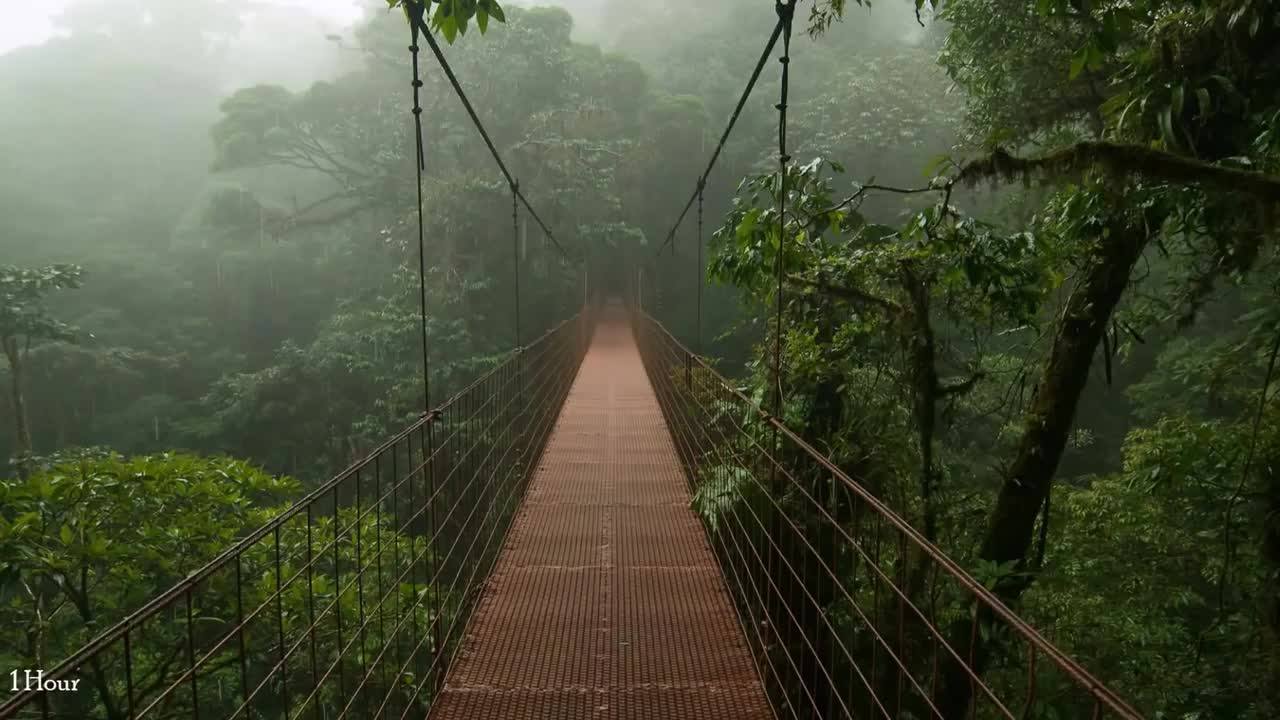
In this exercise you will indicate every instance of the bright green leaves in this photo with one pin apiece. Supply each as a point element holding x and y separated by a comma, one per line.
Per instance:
<point>127,528</point>
<point>1133,573</point>
<point>745,248</point>
<point>992,575</point>
<point>486,9</point>
<point>1008,273</point>
<point>451,17</point>
<point>448,20</point>
<point>88,539</point>
<point>1149,60</point>
<point>989,272</point>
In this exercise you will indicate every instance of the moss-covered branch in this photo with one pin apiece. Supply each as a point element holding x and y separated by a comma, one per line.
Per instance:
<point>1120,160</point>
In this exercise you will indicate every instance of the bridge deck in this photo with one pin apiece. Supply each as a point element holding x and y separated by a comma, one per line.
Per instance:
<point>606,601</point>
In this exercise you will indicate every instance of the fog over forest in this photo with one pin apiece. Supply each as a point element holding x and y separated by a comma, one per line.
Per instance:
<point>1030,291</point>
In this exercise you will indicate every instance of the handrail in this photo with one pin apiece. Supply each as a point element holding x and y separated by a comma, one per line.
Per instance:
<point>538,375</point>
<point>676,400</point>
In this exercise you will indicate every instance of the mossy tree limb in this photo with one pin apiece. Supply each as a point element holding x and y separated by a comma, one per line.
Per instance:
<point>1120,161</point>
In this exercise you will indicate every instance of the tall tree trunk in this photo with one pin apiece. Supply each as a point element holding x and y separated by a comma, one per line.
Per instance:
<point>22,439</point>
<point>1044,437</point>
<point>922,353</point>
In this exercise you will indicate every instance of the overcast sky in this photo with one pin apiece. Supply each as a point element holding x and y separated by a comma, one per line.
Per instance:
<point>28,22</point>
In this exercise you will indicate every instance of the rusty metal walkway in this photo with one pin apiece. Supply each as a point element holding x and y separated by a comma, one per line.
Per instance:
<point>606,601</point>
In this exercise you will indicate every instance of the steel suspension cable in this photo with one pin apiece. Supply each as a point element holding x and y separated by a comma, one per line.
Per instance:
<point>785,12</point>
<point>698,332</point>
<point>515,252</point>
<point>417,20</point>
<point>724,136</point>
<point>415,11</point>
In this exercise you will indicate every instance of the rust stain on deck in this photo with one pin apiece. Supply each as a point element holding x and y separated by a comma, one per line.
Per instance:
<point>606,601</point>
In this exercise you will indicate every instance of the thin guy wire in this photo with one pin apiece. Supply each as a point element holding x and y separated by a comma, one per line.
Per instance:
<point>415,10</point>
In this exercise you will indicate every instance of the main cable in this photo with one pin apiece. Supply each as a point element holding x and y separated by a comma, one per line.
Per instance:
<point>701,279</point>
<point>418,21</point>
<point>515,253</point>
<point>785,10</point>
<point>733,120</point>
<point>415,11</point>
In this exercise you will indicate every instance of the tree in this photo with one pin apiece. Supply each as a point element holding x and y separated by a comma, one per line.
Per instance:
<point>1151,146</point>
<point>565,117</point>
<point>1135,197</point>
<point>90,536</point>
<point>25,321</point>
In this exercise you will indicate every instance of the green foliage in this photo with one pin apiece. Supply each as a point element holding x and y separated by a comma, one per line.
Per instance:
<point>22,295</point>
<point>24,321</point>
<point>91,536</point>
<point>720,492</point>
<point>88,538</point>
<point>270,310</point>
<point>451,16</point>
<point>1144,565</point>
<point>1137,586</point>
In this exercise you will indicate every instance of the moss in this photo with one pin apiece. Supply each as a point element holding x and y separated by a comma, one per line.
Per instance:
<point>1122,161</point>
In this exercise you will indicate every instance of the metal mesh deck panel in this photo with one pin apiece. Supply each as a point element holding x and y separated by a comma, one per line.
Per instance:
<point>606,601</point>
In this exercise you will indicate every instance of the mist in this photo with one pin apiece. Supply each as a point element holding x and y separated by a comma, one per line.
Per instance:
<point>1019,286</point>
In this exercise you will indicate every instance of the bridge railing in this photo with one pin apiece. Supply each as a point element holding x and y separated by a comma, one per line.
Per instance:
<point>353,601</point>
<point>849,611</point>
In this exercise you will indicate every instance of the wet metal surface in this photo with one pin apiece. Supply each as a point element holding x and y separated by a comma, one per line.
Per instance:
<point>606,602</point>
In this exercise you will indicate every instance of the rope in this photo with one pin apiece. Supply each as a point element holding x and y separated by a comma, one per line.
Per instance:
<point>733,120</point>
<point>415,11</point>
<point>417,21</point>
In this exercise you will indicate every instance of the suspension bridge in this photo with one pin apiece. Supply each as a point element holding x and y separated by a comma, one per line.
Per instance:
<point>527,549</point>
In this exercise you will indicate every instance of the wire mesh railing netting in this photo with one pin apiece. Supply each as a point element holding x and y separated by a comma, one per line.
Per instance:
<point>849,611</point>
<point>353,602</point>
